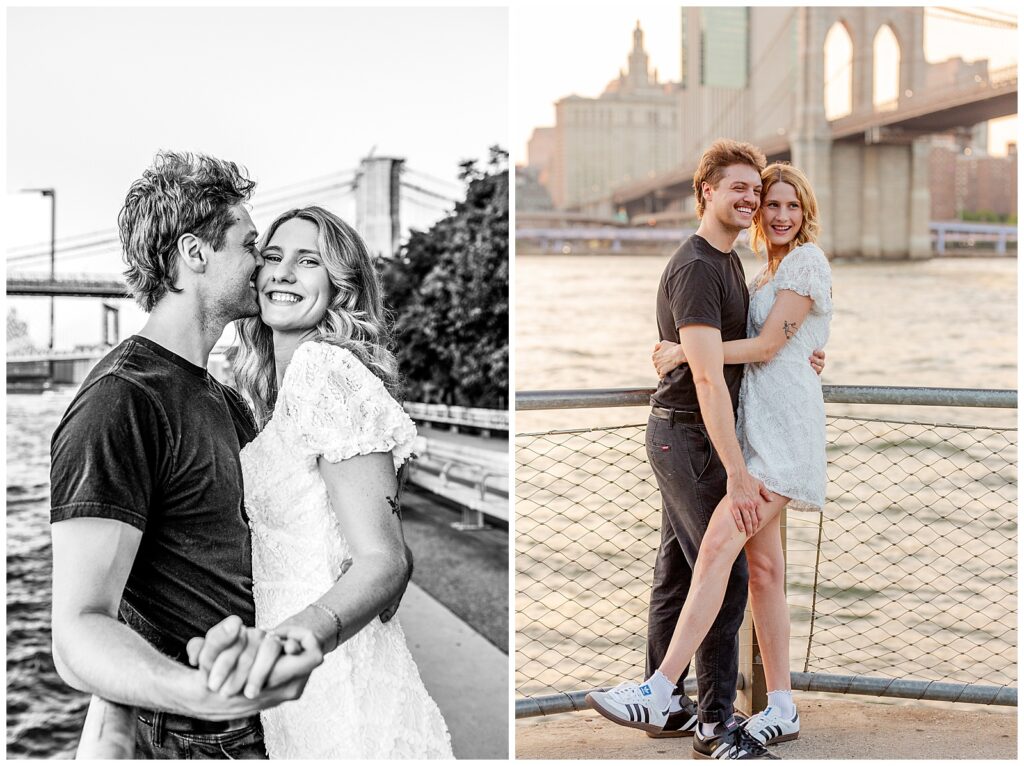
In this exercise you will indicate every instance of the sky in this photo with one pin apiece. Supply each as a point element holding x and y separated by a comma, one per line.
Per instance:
<point>292,94</point>
<point>568,58</point>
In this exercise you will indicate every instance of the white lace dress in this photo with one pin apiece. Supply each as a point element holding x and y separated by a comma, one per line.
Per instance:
<point>367,699</point>
<point>781,417</point>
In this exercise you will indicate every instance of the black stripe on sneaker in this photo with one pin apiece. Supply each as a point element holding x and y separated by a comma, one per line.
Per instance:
<point>778,730</point>
<point>647,714</point>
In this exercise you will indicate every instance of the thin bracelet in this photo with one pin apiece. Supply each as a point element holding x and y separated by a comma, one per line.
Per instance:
<point>338,627</point>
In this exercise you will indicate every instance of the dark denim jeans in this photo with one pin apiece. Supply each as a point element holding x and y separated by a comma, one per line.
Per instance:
<point>153,742</point>
<point>692,481</point>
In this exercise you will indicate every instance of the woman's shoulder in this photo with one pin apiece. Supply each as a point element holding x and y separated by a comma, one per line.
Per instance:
<point>318,364</point>
<point>325,356</point>
<point>808,252</point>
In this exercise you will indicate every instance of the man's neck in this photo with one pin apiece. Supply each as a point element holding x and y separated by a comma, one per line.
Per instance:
<point>718,236</point>
<point>180,330</point>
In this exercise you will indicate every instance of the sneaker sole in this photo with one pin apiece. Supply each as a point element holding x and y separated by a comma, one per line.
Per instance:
<point>662,734</point>
<point>650,728</point>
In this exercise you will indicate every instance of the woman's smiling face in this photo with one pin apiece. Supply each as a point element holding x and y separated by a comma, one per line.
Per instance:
<point>293,284</point>
<point>781,214</point>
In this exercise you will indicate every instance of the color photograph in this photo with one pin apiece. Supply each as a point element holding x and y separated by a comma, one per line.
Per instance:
<point>766,382</point>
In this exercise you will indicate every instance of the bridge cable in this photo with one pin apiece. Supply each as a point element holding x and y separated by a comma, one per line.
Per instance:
<point>110,236</point>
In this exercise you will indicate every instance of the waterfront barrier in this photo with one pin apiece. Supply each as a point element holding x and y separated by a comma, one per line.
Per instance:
<point>463,472</point>
<point>903,586</point>
<point>472,477</point>
<point>459,418</point>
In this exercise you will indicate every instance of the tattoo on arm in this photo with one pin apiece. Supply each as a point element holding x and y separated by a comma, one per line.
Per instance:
<point>396,506</point>
<point>789,328</point>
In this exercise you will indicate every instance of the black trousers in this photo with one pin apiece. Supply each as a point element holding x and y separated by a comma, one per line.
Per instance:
<point>692,481</point>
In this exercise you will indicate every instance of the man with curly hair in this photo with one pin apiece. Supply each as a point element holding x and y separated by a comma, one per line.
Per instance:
<point>151,543</point>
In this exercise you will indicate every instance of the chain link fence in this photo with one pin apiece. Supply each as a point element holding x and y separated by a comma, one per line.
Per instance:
<point>908,573</point>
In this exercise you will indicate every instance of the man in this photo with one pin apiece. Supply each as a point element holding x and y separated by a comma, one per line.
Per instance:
<point>702,301</point>
<point>151,546</point>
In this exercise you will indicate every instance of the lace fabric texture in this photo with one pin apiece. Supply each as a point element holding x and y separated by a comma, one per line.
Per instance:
<point>781,417</point>
<point>367,700</point>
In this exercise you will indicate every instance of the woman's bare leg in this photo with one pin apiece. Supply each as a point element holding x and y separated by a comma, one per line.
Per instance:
<point>721,545</point>
<point>768,602</point>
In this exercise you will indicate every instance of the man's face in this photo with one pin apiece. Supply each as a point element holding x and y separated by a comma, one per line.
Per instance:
<point>734,200</point>
<point>231,271</point>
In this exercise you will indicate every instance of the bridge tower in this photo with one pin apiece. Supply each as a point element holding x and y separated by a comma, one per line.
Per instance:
<point>111,330</point>
<point>873,190</point>
<point>377,204</point>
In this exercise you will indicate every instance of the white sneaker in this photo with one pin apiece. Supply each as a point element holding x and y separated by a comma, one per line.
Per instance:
<point>769,727</point>
<point>629,704</point>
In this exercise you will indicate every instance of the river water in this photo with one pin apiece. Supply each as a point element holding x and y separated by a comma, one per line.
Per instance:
<point>43,714</point>
<point>917,570</point>
<point>588,322</point>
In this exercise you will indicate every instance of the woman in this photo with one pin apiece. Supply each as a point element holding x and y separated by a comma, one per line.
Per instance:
<point>781,428</point>
<point>321,487</point>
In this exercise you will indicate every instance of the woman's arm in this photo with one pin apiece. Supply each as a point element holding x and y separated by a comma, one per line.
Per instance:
<point>787,314</point>
<point>364,494</point>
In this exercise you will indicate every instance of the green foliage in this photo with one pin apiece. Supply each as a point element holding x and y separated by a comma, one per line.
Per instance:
<point>448,291</point>
<point>988,216</point>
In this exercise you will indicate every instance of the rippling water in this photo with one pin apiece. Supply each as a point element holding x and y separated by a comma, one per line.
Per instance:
<point>44,715</point>
<point>588,322</point>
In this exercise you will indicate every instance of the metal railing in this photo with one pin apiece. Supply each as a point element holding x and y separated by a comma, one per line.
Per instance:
<point>903,586</point>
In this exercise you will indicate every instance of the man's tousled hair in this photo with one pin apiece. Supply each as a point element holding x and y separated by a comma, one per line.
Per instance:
<point>181,193</point>
<point>716,158</point>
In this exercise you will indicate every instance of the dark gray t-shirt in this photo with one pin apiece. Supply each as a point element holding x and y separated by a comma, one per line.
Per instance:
<point>152,440</point>
<point>700,286</point>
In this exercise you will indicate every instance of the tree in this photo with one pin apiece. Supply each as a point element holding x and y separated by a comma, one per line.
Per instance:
<point>448,290</point>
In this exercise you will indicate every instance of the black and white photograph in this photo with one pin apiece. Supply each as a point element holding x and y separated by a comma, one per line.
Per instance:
<point>257,272</point>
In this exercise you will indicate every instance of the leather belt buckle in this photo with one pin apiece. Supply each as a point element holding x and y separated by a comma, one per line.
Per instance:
<point>674,416</point>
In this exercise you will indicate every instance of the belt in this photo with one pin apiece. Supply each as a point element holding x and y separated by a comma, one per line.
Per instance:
<point>183,724</point>
<point>677,416</point>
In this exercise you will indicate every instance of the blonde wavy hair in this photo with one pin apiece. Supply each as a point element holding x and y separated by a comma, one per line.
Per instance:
<point>355,318</point>
<point>783,172</point>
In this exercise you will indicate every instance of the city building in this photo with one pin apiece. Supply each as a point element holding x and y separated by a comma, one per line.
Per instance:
<point>966,183</point>
<point>629,132</point>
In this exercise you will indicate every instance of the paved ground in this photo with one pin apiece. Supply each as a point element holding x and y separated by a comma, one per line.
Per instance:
<point>465,674</point>
<point>465,571</point>
<point>455,617</point>
<point>831,729</point>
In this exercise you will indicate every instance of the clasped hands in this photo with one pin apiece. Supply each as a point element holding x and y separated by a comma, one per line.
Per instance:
<point>252,669</point>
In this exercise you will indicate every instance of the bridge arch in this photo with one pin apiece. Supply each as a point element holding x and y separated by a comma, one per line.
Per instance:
<point>863,25</point>
<point>839,67</point>
<point>886,81</point>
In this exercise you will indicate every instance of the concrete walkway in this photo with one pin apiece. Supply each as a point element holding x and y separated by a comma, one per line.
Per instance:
<point>464,672</point>
<point>830,730</point>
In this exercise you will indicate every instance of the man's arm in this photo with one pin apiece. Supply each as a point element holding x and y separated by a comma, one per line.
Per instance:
<point>702,345</point>
<point>787,314</point>
<point>95,653</point>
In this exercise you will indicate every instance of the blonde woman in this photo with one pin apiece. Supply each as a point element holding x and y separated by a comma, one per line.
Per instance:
<point>321,487</point>
<point>781,428</point>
